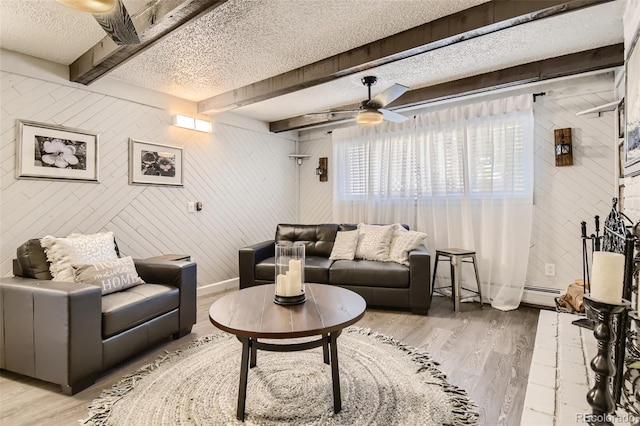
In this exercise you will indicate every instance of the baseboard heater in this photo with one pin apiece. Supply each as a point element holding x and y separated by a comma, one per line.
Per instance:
<point>540,295</point>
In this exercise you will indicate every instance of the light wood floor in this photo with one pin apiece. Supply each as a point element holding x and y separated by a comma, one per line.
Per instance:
<point>485,351</point>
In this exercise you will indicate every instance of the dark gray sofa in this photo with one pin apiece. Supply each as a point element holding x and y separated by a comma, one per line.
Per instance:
<point>67,333</point>
<point>384,284</point>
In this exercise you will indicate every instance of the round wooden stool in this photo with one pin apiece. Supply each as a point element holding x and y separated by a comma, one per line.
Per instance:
<point>456,257</point>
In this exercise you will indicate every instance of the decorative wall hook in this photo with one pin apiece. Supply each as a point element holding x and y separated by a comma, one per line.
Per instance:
<point>322,169</point>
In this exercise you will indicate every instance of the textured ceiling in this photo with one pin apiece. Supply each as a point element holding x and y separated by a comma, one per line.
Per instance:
<point>556,36</point>
<point>245,41</point>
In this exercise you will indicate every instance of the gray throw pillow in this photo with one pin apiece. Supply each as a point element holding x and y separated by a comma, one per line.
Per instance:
<point>374,242</point>
<point>110,275</point>
<point>344,247</point>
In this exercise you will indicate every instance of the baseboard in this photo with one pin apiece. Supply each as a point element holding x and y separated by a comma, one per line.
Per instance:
<point>540,296</point>
<point>219,287</point>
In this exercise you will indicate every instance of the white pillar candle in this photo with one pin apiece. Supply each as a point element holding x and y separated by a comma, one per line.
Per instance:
<point>607,277</point>
<point>295,265</point>
<point>294,283</point>
<point>281,284</point>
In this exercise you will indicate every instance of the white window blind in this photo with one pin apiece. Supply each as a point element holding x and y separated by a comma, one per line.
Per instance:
<point>486,157</point>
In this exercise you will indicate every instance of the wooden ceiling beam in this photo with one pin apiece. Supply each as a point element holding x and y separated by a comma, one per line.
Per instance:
<point>477,21</point>
<point>561,66</point>
<point>152,25</point>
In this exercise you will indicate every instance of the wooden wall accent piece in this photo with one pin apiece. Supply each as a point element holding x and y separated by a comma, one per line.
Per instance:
<point>563,148</point>
<point>323,163</point>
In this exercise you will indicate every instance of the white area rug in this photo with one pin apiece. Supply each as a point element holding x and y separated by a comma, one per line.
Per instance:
<point>383,382</point>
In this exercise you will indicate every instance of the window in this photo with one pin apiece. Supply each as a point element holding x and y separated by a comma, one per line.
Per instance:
<point>475,157</point>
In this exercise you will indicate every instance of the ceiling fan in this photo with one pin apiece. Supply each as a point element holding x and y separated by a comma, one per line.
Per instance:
<point>372,110</point>
<point>112,17</point>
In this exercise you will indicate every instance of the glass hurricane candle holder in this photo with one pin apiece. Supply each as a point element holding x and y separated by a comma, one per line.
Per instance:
<point>289,279</point>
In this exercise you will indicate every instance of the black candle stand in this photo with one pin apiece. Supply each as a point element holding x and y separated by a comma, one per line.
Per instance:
<point>630,401</point>
<point>600,397</point>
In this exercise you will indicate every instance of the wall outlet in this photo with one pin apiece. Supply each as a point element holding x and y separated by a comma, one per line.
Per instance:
<point>550,269</point>
<point>191,207</point>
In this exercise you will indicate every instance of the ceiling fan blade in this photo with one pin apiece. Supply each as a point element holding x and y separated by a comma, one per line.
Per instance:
<point>342,111</point>
<point>389,95</point>
<point>392,116</point>
<point>118,25</point>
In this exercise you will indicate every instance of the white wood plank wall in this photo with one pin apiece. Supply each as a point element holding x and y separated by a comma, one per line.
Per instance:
<point>316,198</point>
<point>243,177</point>
<point>564,196</point>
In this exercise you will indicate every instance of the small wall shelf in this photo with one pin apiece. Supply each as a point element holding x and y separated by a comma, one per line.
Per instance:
<point>299,157</point>
<point>600,109</point>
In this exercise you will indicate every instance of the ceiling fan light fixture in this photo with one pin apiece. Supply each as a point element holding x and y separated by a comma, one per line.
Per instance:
<point>369,117</point>
<point>92,6</point>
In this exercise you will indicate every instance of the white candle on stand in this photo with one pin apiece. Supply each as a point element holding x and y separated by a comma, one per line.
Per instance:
<point>295,269</point>
<point>295,265</point>
<point>294,283</point>
<point>281,284</point>
<point>607,277</point>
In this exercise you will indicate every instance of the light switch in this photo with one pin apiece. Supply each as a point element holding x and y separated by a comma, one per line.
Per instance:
<point>191,207</point>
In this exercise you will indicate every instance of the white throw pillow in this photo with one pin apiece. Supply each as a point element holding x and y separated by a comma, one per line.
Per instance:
<point>374,242</point>
<point>403,242</point>
<point>111,275</point>
<point>344,247</point>
<point>77,248</point>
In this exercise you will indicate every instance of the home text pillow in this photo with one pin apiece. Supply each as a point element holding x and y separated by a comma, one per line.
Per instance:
<point>374,242</point>
<point>111,275</point>
<point>403,242</point>
<point>76,248</point>
<point>345,245</point>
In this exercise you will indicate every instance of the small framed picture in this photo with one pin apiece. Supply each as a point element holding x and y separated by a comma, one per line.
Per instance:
<point>155,164</point>
<point>632,109</point>
<point>621,121</point>
<point>47,151</point>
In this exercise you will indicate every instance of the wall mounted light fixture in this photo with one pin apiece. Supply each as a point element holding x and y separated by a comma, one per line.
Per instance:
<point>563,148</point>
<point>299,158</point>
<point>192,123</point>
<point>322,169</point>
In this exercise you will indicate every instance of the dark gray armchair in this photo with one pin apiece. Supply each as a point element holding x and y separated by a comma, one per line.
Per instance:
<point>67,333</point>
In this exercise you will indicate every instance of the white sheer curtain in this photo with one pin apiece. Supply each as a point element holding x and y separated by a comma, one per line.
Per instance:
<point>375,174</point>
<point>463,175</point>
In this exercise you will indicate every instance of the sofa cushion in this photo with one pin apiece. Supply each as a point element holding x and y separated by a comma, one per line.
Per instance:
<point>318,239</point>
<point>374,242</point>
<point>316,269</point>
<point>345,245</point>
<point>111,275</point>
<point>403,242</point>
<point>77,248</point>
<point>136,305</point>
<point>369,273</point>
<point>32,261</point>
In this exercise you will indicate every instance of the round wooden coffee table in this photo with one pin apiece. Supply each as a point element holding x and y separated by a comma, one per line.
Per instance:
<point>251,314</point>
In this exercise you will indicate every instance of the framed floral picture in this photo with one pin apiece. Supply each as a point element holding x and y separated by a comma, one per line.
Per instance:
<point>632,109</point>
<point>47,151</point>
<point>155,164</point>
